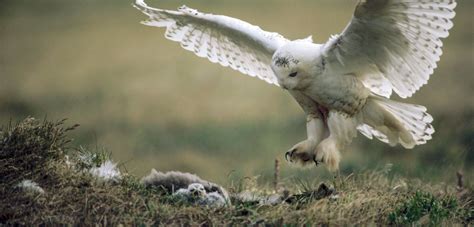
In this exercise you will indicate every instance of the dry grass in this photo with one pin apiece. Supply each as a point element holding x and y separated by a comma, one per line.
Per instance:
<point>36,150</point>
<point>175,111</point>
<point>156,103</point>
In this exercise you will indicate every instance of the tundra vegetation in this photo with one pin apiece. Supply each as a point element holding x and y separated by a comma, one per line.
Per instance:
<point>40,151</point>
<point>102,69</point>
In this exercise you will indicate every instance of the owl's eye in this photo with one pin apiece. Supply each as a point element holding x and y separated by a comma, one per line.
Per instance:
<point>293,74</point>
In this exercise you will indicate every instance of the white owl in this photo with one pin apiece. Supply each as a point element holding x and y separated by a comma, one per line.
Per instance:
<point>343,85</point>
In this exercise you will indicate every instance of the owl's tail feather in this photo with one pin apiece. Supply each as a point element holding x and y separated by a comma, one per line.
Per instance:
<point>394,122</point>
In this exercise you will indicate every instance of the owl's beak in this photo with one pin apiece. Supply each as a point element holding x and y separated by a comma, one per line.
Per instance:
<point>284,87</point>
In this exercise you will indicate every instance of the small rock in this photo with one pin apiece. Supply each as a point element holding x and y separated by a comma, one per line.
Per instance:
<point>323,191</point>
<point>272,200</point>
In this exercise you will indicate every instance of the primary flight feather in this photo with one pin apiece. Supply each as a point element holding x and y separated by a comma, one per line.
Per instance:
<point>343,85</point>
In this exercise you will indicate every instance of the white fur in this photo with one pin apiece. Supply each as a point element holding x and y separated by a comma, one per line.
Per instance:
<point>30,186</point>
<point>196,193</point>
<point>107,171</point>
<point>174,180</point>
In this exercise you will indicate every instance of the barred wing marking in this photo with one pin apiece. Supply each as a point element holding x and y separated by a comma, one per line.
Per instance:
<point>228,41</point>
<point>392,44</point>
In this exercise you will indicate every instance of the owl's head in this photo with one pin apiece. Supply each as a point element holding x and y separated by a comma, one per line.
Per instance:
<point>197,190</point>
<point>296,64</point>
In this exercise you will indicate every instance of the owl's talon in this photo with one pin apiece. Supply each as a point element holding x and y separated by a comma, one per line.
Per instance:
<point>316,162</point>
<point>290,154</point>
<point>286,156</point>
<point>302,153</point>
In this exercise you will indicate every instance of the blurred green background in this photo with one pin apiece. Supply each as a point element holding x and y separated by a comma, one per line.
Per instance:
<point>154,105</point>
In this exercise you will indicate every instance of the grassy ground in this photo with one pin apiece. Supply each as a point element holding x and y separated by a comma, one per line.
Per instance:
<point>37,150</point>
<point>154,105</point>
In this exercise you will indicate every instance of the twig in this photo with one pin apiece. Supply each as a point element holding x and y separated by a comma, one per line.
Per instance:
<point>276,180</point>
<point>460,176</point>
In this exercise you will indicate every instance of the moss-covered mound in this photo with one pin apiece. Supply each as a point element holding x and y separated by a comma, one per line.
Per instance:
<point>38,151</point>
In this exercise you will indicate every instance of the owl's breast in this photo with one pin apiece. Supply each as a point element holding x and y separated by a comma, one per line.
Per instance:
<point>344,93</point>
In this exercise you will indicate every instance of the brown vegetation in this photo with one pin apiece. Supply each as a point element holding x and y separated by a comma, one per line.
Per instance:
<point>37,151</point>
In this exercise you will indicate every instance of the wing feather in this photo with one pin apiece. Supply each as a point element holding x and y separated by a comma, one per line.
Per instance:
<point>396,42</point>
<point>228,41</point>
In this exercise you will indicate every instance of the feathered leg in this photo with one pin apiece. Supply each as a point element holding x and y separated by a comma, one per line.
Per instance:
<point>303,152</point>
<point>342,129</point>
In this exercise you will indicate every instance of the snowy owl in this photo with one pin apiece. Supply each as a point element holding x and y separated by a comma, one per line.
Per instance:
<point>343,85</point>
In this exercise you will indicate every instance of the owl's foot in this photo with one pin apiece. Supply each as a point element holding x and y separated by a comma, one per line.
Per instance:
<point>303,153</point>
<point>327,152</point>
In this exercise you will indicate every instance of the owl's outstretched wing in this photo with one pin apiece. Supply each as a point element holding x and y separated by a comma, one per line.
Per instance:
<point>221,39</point>
<point>392,44</point>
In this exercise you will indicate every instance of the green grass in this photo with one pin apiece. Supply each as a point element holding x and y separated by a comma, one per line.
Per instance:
<point>109,73</point>
<point>175,111</point>
<point>37,150</point>
<point>425,204</point>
